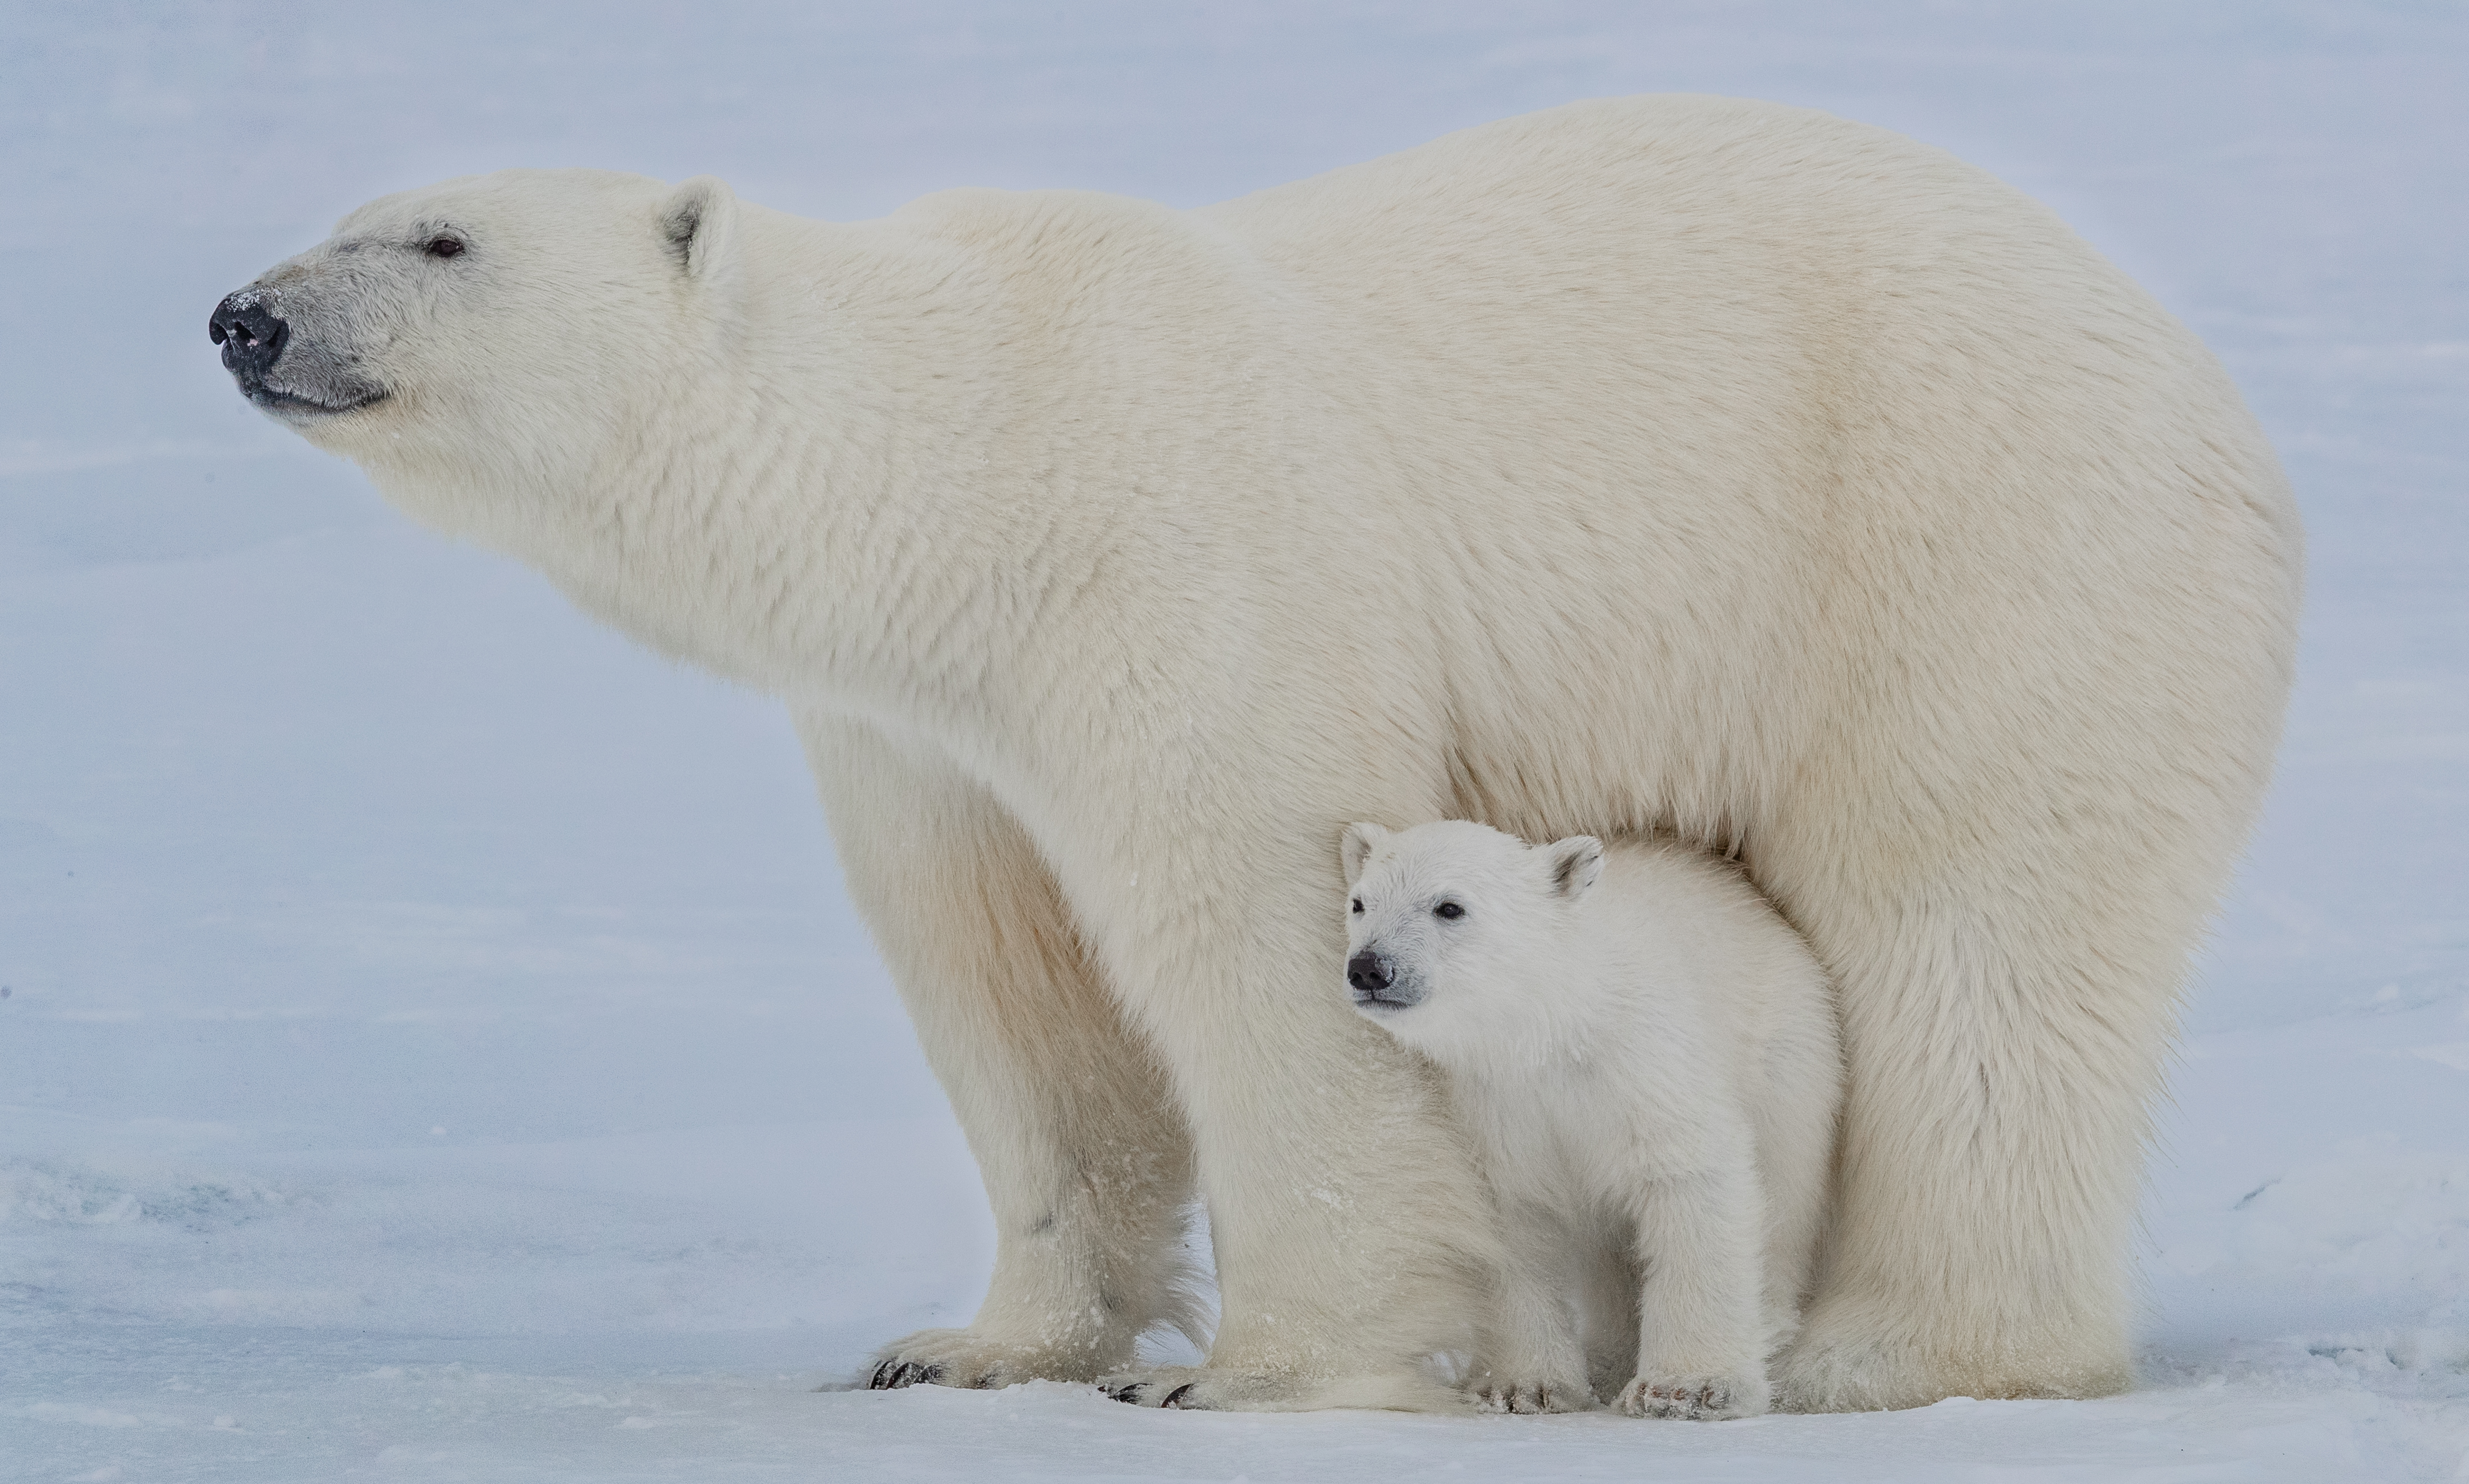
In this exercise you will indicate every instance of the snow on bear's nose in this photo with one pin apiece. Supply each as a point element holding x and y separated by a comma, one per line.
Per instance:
<point>249,334</point>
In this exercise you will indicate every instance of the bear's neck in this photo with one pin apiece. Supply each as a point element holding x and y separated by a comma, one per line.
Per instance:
<point>823,511</point>
<point>956,472</point>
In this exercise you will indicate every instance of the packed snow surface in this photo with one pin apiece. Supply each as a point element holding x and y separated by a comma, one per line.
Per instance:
<point>434,1042</point>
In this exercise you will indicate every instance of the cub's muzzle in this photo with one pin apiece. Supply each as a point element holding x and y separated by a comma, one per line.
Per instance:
<point>1373,981</point>
<point>1367,974</point>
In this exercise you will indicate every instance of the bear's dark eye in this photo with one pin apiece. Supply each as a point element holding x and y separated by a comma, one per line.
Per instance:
<point>442,246</point>
<point>1358,906</point>
<point>1449,910</point>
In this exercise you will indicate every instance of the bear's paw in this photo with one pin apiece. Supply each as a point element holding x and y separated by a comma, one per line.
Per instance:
<point>971,1361</point>
<point>1209,1388</point>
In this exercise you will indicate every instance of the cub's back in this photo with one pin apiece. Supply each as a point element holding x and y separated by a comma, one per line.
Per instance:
<point>1693,918</point>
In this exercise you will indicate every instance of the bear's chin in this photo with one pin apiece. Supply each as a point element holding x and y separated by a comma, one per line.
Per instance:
<point>303,412</point>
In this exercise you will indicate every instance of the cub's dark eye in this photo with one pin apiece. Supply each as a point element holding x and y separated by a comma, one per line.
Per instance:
<point>1449,910</point>
<point>443,247</point>
<point>1358,906</point>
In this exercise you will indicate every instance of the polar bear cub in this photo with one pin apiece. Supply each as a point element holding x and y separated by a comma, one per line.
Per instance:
<point>1647,1057</point>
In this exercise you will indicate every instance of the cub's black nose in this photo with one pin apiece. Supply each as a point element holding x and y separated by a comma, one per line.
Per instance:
<point>1367,974</point>
<point>251,337</point>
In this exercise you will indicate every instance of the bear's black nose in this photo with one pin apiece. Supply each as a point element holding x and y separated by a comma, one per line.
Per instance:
<point>1367,973</point>
<point>251,337</point>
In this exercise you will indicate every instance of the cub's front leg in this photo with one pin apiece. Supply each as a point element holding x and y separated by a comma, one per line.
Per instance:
<point>1701,1332</point>
<point>1534,1362</point>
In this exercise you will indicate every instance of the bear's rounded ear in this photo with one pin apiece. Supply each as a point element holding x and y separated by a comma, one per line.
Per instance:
<point>1355,846</point>
<point>699,223</point>
<point>1573,865</point>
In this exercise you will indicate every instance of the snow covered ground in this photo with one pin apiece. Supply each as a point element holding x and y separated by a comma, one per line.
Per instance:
<point>435,1045</point>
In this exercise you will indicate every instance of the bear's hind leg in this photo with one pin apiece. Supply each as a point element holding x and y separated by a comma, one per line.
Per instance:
<point>1993,1129</point>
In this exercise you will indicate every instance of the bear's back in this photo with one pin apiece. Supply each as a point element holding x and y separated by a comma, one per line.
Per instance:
<point>1697,211</point>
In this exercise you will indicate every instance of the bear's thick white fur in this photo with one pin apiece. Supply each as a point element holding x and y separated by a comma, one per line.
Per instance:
<point>1646,1057</point>
<point>1670,464</point>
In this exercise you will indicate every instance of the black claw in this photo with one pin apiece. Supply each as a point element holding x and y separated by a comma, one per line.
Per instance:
<point>881,1381</point>
<point>1174,1398</point>
<point>1130,1393</point>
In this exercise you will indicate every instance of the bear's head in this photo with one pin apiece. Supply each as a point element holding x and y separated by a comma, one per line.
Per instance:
<point>1447,921</point>
<point>482,344</point>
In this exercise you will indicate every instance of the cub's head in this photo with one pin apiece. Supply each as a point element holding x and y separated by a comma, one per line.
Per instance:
<point>480,339</point>
<point>1444,921</point>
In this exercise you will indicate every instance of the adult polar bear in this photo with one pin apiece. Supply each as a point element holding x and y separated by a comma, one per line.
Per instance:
<point>1668,464</point>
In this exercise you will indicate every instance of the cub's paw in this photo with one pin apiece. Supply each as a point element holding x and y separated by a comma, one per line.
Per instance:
<point>1695,1398</point>
<point>960,1358</point>
<point>1497,1394</point>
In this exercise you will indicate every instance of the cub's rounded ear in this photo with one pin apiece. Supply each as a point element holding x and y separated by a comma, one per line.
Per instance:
<point>1355,846</point>
<point>699,223</point>
<point>1573,865</point>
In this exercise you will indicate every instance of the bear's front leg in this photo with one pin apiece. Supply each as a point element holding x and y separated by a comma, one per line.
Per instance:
<point>1078,1139</point>
<point>1353,1239</point>
<point>1701,1332</point>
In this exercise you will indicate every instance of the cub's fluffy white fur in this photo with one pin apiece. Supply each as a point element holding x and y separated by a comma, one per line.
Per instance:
<point>1670,464</point>
<point>1646,1057</point>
